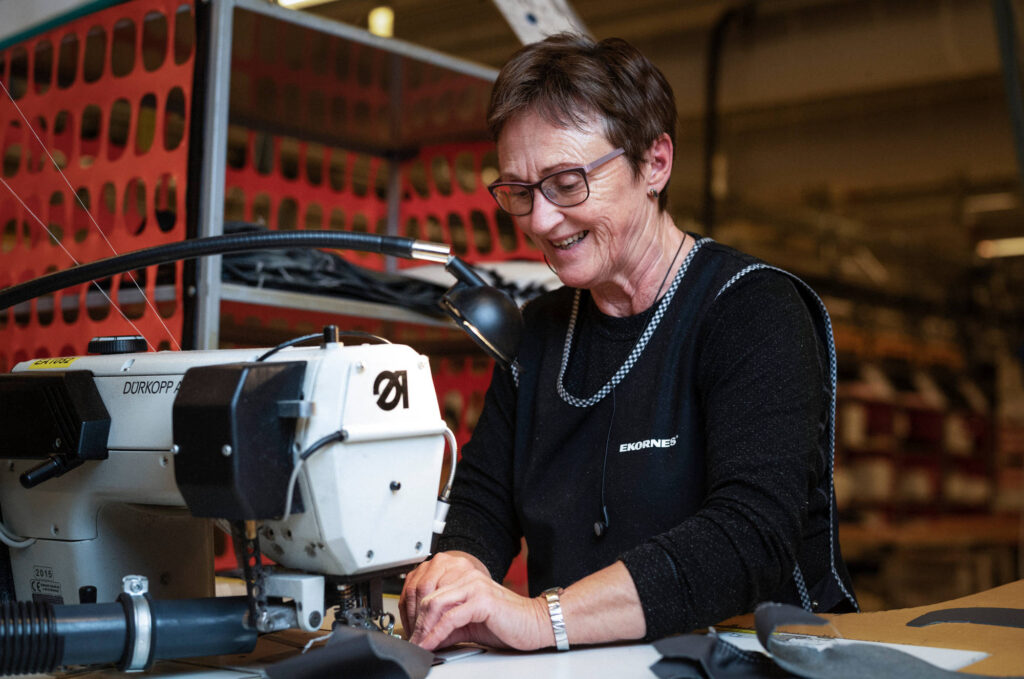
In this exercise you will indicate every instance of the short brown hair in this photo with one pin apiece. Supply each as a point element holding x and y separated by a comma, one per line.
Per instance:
<point>567,78</point>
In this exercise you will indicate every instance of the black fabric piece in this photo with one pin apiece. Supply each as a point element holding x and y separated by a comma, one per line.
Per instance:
<point>678,669</point>
<point>999,617</point>
<point>709,521</point>
<point>359,653</point>
<point>708,657</point>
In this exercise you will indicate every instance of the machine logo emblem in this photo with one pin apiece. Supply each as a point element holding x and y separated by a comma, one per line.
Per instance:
<point>395,388</point>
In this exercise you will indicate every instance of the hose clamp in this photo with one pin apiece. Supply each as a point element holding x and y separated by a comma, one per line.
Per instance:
<point>140,622</point>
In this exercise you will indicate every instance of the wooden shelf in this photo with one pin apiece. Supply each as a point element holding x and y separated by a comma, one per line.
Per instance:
<point>946,532</point>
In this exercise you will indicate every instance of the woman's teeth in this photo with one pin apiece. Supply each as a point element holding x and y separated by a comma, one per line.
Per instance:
<point>568,242</point>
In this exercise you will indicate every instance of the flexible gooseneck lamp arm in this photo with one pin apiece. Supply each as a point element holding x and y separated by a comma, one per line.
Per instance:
<point>486,314</point>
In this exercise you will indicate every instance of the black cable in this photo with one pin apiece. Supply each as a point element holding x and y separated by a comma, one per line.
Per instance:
<point>322,273</point>
<point>520,292</point>
<point>319,336</point>
<point>1005,23</point>
<point>330,438</point>
<point>339,435</point>
<point>714,58</point>
<point>290,343</point>
<point>395,246</point>
<point>326,273</point>
<point>601,526</point>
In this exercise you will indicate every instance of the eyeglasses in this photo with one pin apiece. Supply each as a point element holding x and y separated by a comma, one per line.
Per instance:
<point>565,188</point>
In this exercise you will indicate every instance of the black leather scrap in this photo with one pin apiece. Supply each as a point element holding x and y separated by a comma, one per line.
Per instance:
<point>999,617</point>
<point>352,652</point>
<point>707,656</point>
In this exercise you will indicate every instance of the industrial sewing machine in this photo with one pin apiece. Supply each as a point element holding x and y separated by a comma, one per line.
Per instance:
<point>154,443</point>
<point>114,469</point>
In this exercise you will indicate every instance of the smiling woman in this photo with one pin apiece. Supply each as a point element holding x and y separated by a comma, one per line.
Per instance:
<point>614,239</point>
<point>679,392</point>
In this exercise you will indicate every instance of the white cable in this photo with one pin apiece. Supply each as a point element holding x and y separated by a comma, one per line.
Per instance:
<point>315,640</point>
<point>453,446</point>
<point>335,437</point>
<point>14,541</point>
<point>291,489</point>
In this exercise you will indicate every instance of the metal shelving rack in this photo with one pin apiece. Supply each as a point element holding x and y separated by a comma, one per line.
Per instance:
<point>390,127</point>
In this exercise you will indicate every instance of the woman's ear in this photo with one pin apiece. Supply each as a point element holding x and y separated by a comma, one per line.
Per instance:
<point>659,163</point>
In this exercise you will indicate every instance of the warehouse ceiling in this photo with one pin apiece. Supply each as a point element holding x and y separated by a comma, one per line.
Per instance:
<point>476,29</point>
<point>863,141</point>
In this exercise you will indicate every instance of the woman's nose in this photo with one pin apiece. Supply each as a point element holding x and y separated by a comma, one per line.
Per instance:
<point>544,216</point>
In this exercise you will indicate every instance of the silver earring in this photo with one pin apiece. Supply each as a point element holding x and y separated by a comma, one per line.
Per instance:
<point>653,193</point>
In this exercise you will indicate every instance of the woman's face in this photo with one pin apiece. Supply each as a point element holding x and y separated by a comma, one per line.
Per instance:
<point>597,242</point>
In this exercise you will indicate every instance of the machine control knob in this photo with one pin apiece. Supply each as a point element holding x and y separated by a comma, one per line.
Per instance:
<point>87,594</point>
<point>119,344</point>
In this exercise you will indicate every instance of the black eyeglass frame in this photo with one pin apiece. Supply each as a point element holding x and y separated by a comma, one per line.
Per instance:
<point>582,171</point>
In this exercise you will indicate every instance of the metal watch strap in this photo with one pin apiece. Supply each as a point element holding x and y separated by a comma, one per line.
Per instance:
<point>557,619</point>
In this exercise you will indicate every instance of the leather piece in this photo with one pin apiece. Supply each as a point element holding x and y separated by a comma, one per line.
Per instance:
<point>360,653</point>
<point>1000,617</point>
<point>706,656</point>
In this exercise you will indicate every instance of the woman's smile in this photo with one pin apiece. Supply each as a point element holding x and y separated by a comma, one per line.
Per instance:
<point>570,241</point>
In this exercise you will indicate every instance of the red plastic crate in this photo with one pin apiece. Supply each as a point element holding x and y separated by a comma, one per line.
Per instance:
<point>109,97</point>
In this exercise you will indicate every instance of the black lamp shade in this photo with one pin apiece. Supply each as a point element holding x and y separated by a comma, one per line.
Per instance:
<point>489,316</point>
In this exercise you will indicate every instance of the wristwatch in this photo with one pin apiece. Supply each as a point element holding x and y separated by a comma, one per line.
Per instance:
<point>557,620</point>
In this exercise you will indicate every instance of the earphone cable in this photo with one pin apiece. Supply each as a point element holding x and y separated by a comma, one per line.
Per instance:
<point>604,467</point>
<point>601,526</point>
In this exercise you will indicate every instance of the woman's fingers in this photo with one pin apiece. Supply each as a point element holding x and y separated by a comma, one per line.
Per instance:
<point>433,605</point>
<point>478,609</point>
<point>447,616</point>
<point>443,570</point>
<point>406,607</point>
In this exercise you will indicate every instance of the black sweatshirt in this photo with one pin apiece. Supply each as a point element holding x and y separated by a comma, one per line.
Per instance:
<point>713,451</point>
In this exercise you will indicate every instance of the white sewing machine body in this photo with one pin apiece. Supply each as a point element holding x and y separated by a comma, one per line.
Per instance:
<point>364,504</point>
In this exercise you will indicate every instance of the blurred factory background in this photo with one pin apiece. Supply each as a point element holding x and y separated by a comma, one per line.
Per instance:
<point>873,147</point>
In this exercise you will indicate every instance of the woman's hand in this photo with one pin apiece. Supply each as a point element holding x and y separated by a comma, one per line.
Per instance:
<point>445,568</point>
<point>452,598</point>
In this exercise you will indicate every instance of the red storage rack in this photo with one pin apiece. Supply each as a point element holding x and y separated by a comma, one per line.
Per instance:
<point>298,192</point>
<point>109,97</point>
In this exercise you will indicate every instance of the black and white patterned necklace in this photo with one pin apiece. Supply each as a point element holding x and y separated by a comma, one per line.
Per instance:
<point>641,342</point>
